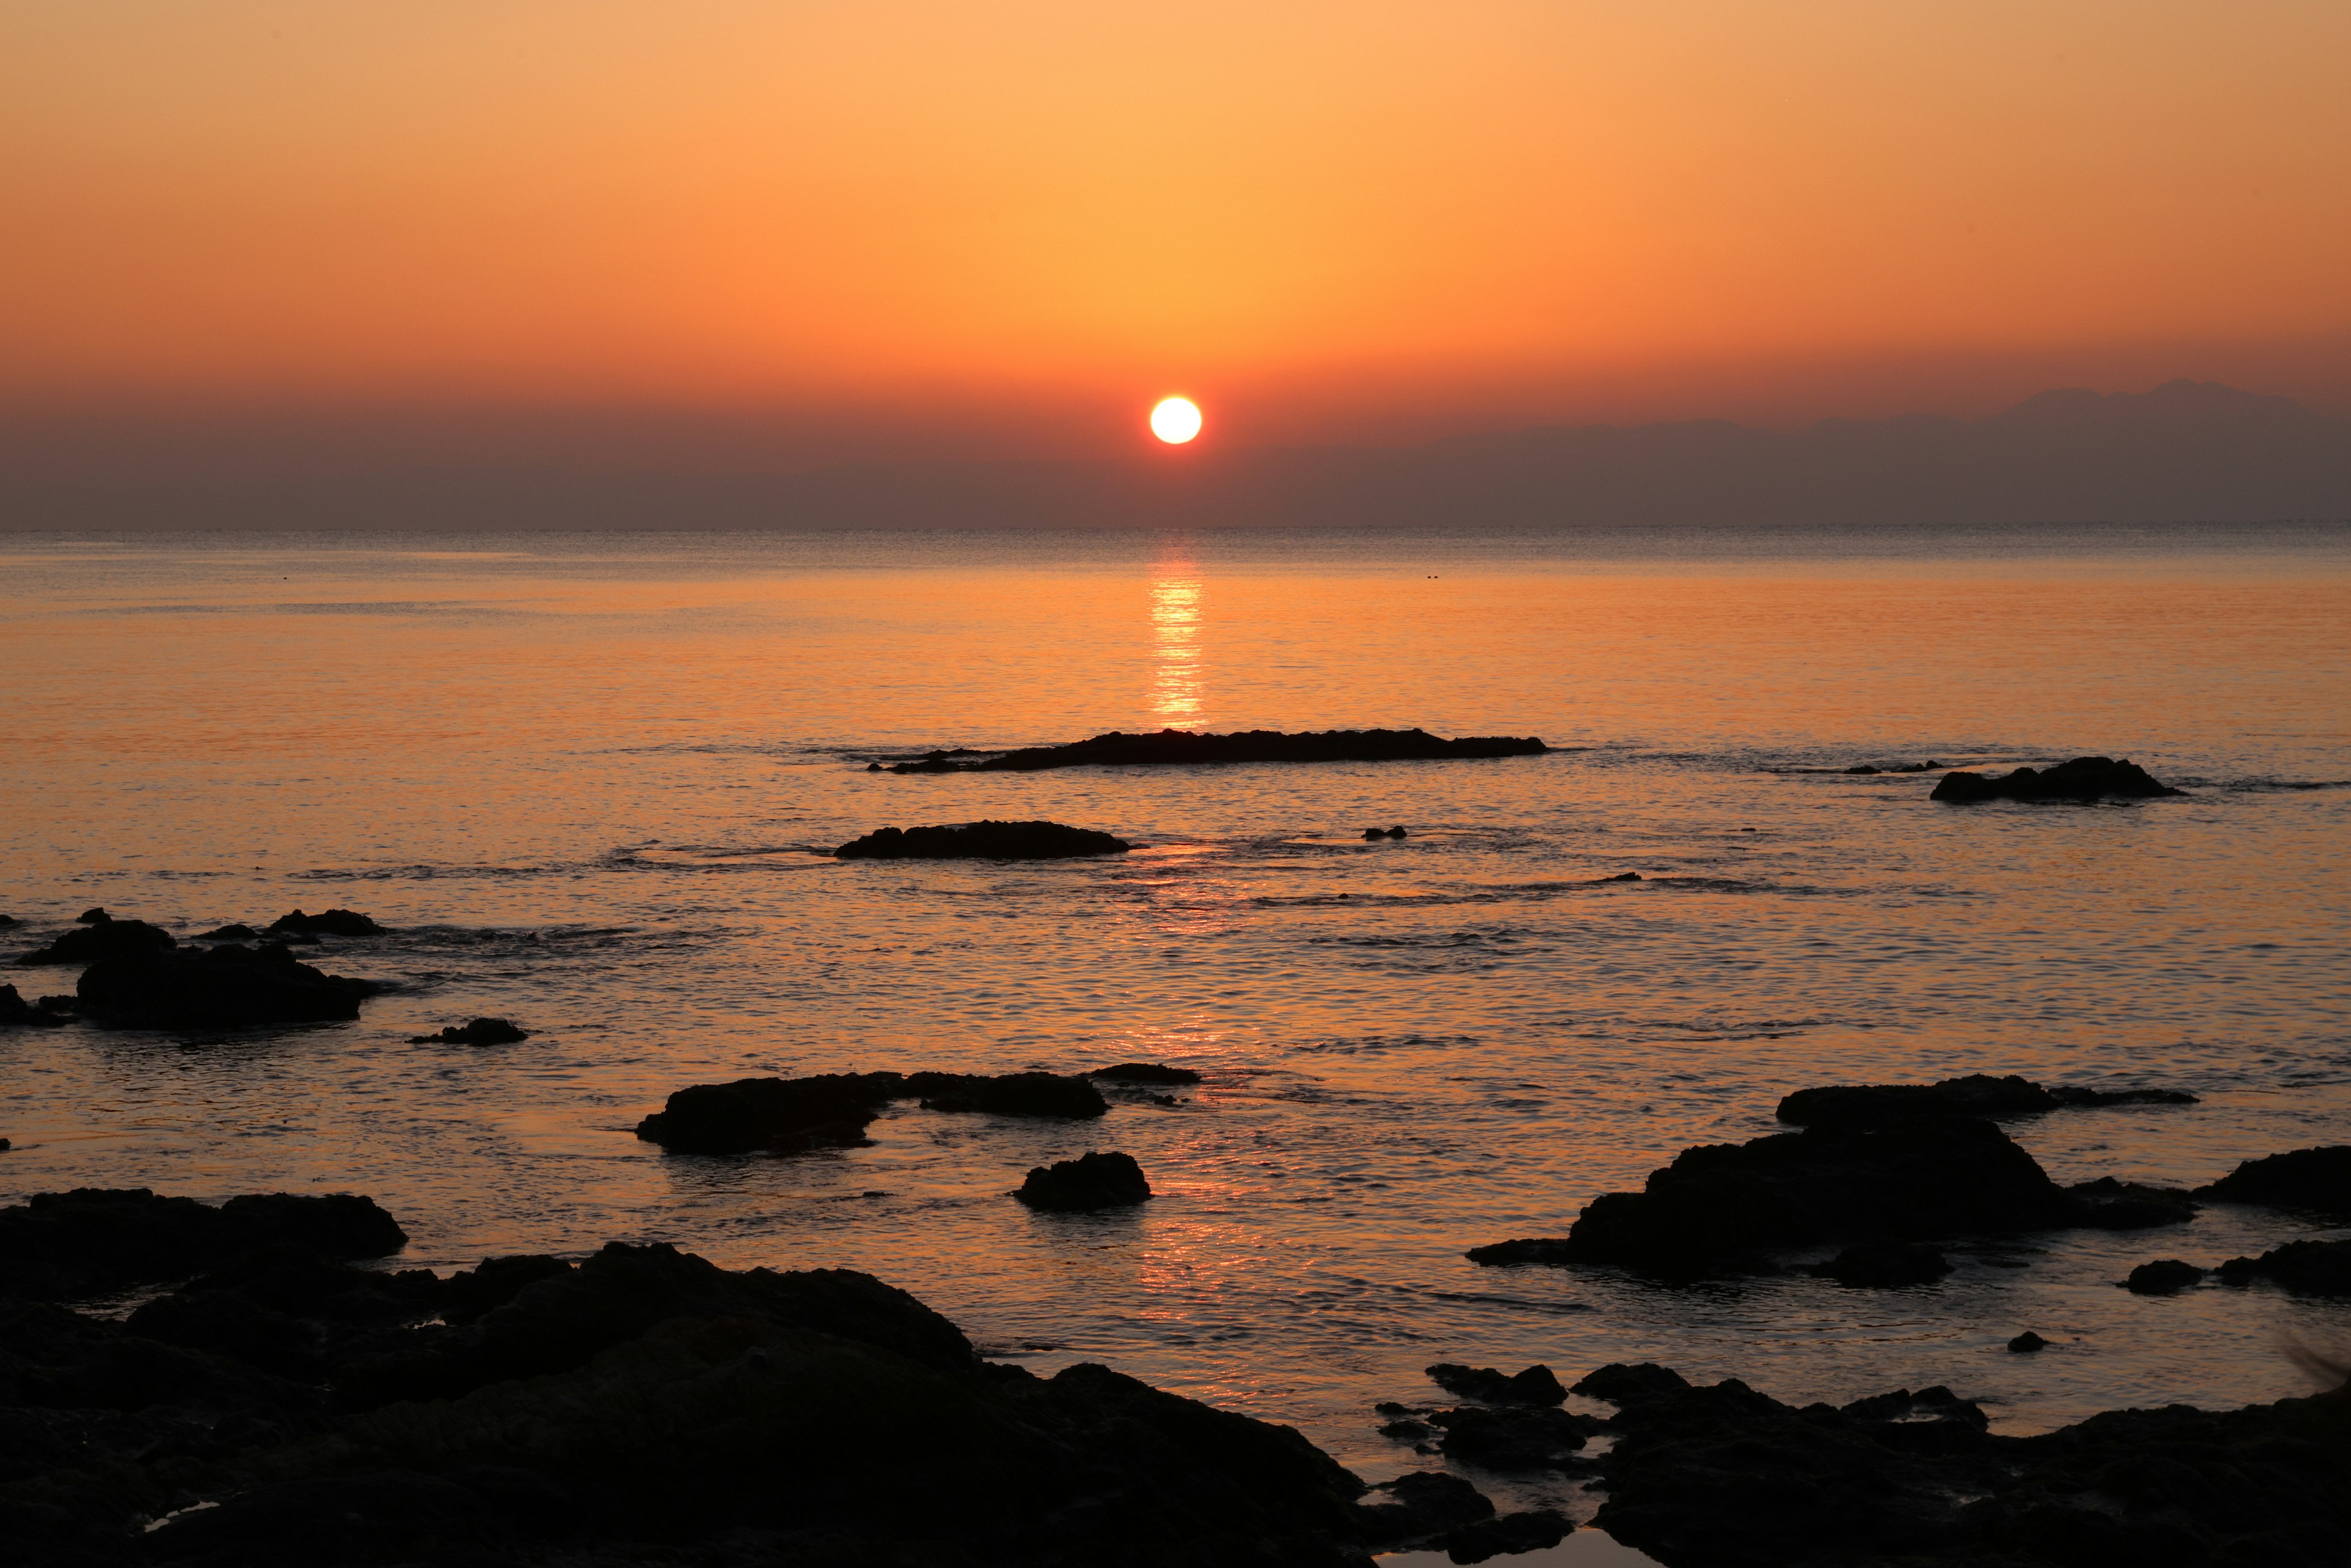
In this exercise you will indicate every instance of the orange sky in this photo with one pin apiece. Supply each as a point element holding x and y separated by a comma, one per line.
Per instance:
<point>1343,221</point>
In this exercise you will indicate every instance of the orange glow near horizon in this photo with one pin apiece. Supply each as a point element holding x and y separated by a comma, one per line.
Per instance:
<point>1339,208</point>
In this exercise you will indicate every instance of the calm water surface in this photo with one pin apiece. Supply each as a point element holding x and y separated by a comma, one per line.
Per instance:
<point>587,777</point>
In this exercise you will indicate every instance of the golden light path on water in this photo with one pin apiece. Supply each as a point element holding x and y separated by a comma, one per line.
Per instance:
<point>1178,681</point>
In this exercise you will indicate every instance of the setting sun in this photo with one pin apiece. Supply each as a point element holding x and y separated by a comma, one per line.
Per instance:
<point>1175,420</point>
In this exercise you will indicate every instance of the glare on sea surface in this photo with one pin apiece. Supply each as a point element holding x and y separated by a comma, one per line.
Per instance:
<point>1175,420</point>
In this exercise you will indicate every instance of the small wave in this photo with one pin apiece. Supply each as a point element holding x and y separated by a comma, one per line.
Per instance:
<point>2277,786</point>
<point>427,873</point>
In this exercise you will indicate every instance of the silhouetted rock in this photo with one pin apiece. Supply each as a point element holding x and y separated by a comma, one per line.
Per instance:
<point>1621,876</point>
<point>2083,779</point>
<point>1530,1531</point>
<point>1871,769</point>
<point>1621,1383</point>
<point>2318,1179</point>
<point>1885,1265</point>
<point>1008,1093</point>
<point>1724,1208</point>
<point>327,922</point>
<point>60,1245</point>
<point>983,840</point>
<point>481,1031</point>
<point>1978,1094</point>
<point>1145,1073</point>
<point>1512,1437</point>
<point>16,1012</point>
<point>1104,1180</point>
<point>1382,833</point>
<point>2165,1277</point>
<point>1420,1504</point>
<point>1535,1385</point>
<point>1182,748</point>
<point>95,915</point>
<point>780,1115</point>
<point>2306,1267</point>
<point>103,938</point>
<point>224,987</point>
<point>239,932</point>
<point>2027,1342</point>
<point>2106,1203</point>
<point>1724,1475</point>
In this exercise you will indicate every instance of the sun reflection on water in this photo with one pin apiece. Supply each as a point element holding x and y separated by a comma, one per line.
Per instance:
<point>1178,678</point>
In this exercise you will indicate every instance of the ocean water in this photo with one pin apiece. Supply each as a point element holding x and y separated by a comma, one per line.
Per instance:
<point>590,780</point>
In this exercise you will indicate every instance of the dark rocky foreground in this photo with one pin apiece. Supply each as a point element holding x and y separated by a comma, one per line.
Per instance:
<point>1979,1094</point>
<point>1177,747</point>
<point>641,1408</point>
<point>2084,778</point>
<point>1726,1209</point>
<point>831,1111</point>
<point>983,840</point>
<point>1724,1476</point>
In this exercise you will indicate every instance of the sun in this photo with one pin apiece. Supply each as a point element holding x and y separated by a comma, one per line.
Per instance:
<point>1175,420</point>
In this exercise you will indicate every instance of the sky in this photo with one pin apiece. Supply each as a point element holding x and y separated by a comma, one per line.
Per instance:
<point>826,231</point>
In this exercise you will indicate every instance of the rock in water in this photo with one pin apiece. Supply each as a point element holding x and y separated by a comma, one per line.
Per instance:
<point>60,1245</point>
<point>2027,1343</point>
<point>1007,1094</point>
<point>1979,1094</point>
<point>2165,1277</point>
<point>780,1115</point>
<point>16,1012</point>
<point>218,987</point>
<point>1513,1439</point>
<point>480,1032</point>
<point>2306,1267</point>
<point>1885,1265</point>
<point>103,938</point>
<point>330,923</point>
<point>2317,1180</point>
<point>984,841</point>
<point>1145,1073</point>
<point>2083,779</point>
<point>1182,747</point>
<point>1104,1180</point>
<point>1535,1385</point>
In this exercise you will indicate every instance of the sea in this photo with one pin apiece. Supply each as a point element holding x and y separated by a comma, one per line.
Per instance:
<point>590,781</point>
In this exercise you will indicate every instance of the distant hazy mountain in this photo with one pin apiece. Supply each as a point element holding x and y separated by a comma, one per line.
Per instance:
<point>2188,451</point>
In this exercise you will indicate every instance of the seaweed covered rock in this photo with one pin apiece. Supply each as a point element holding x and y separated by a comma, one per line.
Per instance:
<point>62,1246</point>
<point>831,1111</point>
<point>327,923</point>
<point>2316,1179</point>
<point>225,987</point>
<point>1177,748</point>
<point>984,841</point>
<point>480,1032</point>
<point>1724,1475</point>
<point>2083,779</point>
<point>1535,1386</point>
<point>1107,1179</point>
<point>103,937</point>
<point>2305,1268</point>
<point>1978,1094</point>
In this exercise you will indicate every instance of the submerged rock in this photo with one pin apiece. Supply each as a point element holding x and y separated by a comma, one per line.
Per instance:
<point>1724,1475</point>
<point>2317,1180</point>
<point>1384,834</point>
<point>831,1111</point>
<point>2165,1277</point>
<point>62,1246</point>
<point>224,987</point>
<point>1145,1073</point>
<point>984,841</point>
<point>1535,1385</point>
<point>1103,1180</point>
<point>1182,747</point>
<point>101,938</point>
<point>2306,1267</point>
<point>1978,1094</point>
<point>1724,1208</point>
<point>327,922</point>
<point>1885,1265</point>
<point>2083,779</point>
<point>480,1032</point>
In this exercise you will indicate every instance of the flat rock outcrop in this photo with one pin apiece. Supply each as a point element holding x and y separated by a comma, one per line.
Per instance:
<point>231,986</point>
<point>640,1407</point>
<point>2305,1268</point>
<point>479,1032</point>
<point>1978,1094</point>
<point>2082,779</point>
<point>1722,1476</point>
<point>1725,1208</point>
<point>1105,1179</point>
<point>983,840</point>
<point>2316,1179</point>
<point>831,1111</point>
<point>102,938</point>
<point>1178,748</point>
<point>66,1245</point>
<point>327,923</point>
<point>1144,1072</point>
